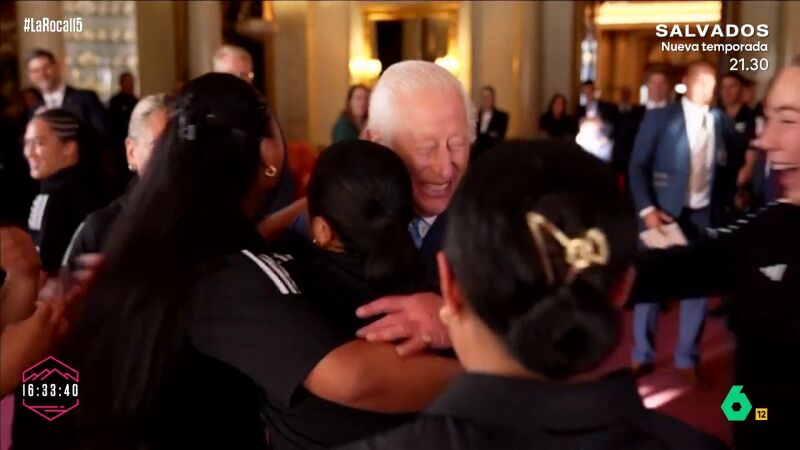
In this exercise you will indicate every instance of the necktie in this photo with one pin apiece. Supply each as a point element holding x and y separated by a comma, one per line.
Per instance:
<point>413,228</point>
<point>699,179</point>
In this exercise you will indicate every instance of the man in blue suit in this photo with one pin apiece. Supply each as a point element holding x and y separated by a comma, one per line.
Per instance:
<point>676,153</point>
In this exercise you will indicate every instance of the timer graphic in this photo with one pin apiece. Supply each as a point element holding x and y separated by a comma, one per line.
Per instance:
<point>50,388</point>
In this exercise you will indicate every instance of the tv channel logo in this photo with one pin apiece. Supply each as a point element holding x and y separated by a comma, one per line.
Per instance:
<point>737,406</point>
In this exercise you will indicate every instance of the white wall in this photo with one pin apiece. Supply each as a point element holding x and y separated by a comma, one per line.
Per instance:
<point>53,42</point>
<point>556,43</point>
<point>204,34</point>
<point>155,25</point>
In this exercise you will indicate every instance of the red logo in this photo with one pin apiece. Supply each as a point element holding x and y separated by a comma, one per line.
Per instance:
<point>50,388</point>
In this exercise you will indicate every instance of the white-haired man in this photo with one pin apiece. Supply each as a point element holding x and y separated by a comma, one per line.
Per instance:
<point>235,61</point>
<point>148,120</point>
<point>424,114</point>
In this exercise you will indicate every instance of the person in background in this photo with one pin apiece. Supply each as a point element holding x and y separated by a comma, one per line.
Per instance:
<point>531,319</point>
<point>45,73</point>
<point>32,100</point>
<point>592,107</point>
<point>235,61</point>
<point>120,108</point>
<point>755,261</point>
<point>148,120</point>
<point>354,117</point>
<point>630,118</point>
<point>62,154</point>
<point>556,122</point>
<point>749,93</point>
<point>676,157</point>
<point>735,188</point>
<point>238,62</point>
<point>491,125</point>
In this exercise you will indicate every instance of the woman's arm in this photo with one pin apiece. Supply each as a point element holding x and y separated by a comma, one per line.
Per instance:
<point>373,377</point>
<point>276,224</point>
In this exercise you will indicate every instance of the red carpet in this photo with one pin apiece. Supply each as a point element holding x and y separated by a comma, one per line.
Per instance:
<point>666,391</point>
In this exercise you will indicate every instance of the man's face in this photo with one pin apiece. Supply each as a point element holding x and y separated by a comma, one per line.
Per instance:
<point>657,87</point>
<point>781,135</point>
<point>700,83</point>
<point>126,84</point>
<point>43,73</point>
<point>487,99</point>
<point>730,91</point>
<point>238,66</point>
<point>140,149</point>
<point>588,92</point>
<point>432,138</point>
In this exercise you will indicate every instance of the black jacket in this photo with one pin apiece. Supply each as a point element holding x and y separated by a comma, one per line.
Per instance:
<point>757,262</point>
<point>495,132</point>
<point>489,412</point>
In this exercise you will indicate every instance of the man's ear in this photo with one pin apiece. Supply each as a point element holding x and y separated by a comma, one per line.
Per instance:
<point>451,291</point>
<point>129,148</point>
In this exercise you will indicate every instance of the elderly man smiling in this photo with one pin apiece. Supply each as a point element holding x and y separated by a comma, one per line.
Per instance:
<point>424,114</point>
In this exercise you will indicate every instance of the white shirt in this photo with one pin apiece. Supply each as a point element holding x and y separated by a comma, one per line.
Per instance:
<point>486,117</point>
<point>56,98</point>
<point>699,192</point>
<point>591,109</point>
<point>653,105</point>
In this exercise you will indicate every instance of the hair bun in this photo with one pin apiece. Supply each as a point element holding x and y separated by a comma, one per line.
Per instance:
<point>569,330</point>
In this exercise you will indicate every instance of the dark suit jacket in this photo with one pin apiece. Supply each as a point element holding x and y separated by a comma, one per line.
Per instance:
<point>88,107</point>
<point>495,132</point>
<point>608,112</point>
<point>660,164</point>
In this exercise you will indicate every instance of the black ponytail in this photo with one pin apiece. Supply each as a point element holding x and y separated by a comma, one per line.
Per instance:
<point>185,211</point>
<point>363,190</point>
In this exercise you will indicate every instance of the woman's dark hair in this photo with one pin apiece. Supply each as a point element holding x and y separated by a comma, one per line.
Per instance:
<point>553,103</point>
<point>68,127</point>
<point>555,326</point>
<point>363,190</point>
<point>347,113</point>
<point>184,212</point>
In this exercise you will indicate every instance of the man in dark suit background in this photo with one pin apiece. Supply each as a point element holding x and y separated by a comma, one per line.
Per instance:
<point>677,154</point>
<point>491,126</point>
<point>45,74</point>
<point>592,108</point>
<point>630,117</point>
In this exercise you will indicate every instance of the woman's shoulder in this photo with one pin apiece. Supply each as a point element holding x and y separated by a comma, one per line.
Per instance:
<point>255,269</point>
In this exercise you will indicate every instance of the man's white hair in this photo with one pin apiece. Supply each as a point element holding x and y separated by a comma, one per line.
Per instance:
<point>226,51</point>
<point>409,77</point>
<point>137,127</point>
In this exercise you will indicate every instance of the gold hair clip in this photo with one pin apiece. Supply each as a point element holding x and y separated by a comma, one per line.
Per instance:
<point>580,252</point>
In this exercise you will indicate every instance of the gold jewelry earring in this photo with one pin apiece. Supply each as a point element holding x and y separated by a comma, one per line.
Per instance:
<point>271,171</point>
